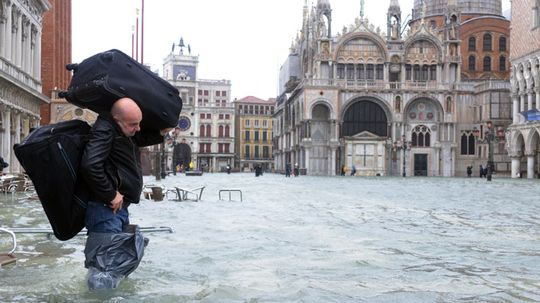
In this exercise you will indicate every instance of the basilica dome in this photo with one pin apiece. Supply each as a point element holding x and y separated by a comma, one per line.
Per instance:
<point>437,7</point>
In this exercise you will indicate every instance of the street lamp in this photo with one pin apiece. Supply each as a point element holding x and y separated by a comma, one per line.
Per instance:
<point>403,145</point>
<point>490,137</point>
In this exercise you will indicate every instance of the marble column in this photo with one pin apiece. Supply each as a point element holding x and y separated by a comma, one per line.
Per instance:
<point>8,31</point>
<point>37,56</point>
<point>530,101</point>
<point>515,166</point>
<point>18,40</point>
<point>306,159</point>
<point>333,164</point>
<point>530,166</point>
<point>6,139</point>
<point>521,106</point>
<point>515,109</point>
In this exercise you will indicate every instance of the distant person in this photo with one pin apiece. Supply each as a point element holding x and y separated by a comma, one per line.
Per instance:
<point>481,171</point>
<point>288,170</point>
<point>228,169</point>
<point>296,170</point>
<point>3,164</point>
<point>353,170</point>
<point>343,170</point>
<point>469,171</point>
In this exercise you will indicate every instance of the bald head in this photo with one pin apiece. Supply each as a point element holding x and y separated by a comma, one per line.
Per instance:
<point>127,114</point>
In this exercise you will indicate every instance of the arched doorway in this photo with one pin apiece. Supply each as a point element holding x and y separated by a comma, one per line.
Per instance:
<point>364,132</point>
<point>423,116</point>
<point>319,155</point>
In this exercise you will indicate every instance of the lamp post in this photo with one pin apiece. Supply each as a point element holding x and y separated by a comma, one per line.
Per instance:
<point>402,145</point>
<point>489,137</point>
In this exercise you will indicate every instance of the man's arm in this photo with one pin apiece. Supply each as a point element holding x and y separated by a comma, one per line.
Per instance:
<point>93,162</point>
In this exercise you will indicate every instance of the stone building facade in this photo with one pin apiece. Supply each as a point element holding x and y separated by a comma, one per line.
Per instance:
<point>524,133</point>
<point>206,124</point>
<point>396,102</point>
<point>21,27</point>
<point>253,125</point>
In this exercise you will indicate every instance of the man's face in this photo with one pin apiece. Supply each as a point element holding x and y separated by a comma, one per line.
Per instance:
<point>129,123</point>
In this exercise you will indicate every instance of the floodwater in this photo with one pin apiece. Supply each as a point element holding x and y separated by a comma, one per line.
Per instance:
<point>305,239</point>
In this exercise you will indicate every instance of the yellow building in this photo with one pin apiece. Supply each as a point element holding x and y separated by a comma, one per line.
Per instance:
<point>253,126</point>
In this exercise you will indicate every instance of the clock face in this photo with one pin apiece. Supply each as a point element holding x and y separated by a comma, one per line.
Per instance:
<point>184,123</point>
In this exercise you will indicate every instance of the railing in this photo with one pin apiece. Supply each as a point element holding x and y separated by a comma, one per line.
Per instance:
<point>12,70</point>
<point>379,84</point>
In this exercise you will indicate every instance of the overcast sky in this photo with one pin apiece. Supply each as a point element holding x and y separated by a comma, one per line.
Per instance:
<point>244,41</point>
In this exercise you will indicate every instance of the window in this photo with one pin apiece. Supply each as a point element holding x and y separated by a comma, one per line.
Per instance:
<point>350,72</point>
<point>397,104</point>
<point>487,64</point>
<point>502,63</point>
<point>220,148</point>
<point>208,116</point>
<point>256,123</point>
<point>467,143</point>
<point>247,123</point>
<point>421,136</point>
<point>208,131</point>
<point>370,72</point>
<point>360,72</point>
<point>256,137</point>
<point>224,93</point>
<point>264,136</point>
<point>227,150</point>
<point>227,131</point>
<point>341,71</point>
<point>201,130</point>
<point>256,155</point>
<point>220,131</point>
<point>202,116</point>
<point>502,44</point>
<point>266,153</point>
<point>247,135</point>
<point>433,72</point>
<point>487,42</point>
<point>472,63</point>
<point>200,92</point>
<point>265,124</point>
<point>227,117</point>
<point>218,93</point>
<point>408,72</point>
<point>220,116</point>
<point>416,73</point>
<point>205,92</point>
<point>246,151</point>
<point>424,74</point>
<point>472,44</point>
<point>380,72</point>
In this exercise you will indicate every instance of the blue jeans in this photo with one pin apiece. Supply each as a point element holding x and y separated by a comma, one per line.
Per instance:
<point>100,218</point>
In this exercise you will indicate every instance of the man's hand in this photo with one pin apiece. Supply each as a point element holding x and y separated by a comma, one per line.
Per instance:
<point>166,130</point>
<point>116,203</point>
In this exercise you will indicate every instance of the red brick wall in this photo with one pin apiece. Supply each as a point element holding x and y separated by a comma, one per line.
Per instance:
<point>525,39</point>
<point>472,25</point>
<point>477,28</point>
<point>55,51</point>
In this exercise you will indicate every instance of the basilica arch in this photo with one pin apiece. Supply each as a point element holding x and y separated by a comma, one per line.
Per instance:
<point>364,131</point>
<point>422,119</point>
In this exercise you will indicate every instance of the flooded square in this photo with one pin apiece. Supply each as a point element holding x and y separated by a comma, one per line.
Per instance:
<point>304,239</point>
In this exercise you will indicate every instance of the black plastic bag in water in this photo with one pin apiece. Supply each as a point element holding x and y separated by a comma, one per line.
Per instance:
<point>111,257</point>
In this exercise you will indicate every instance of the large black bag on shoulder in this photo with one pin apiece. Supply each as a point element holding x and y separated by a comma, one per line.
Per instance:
<point>100,80</point>
<point>51,156</point>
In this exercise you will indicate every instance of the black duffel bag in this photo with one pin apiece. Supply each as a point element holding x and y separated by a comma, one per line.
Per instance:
<point>100,80</point>
<point>51,156</point>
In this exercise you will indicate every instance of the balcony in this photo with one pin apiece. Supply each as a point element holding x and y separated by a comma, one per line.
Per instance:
<point>377,84</point>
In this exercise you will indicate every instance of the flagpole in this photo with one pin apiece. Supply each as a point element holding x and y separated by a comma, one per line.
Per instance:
<point>142,32</point>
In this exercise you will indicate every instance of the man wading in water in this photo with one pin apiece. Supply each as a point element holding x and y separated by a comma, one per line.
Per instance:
<point>110,166</point>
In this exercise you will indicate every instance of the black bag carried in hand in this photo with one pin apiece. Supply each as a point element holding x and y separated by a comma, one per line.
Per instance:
<point>51,156</point>
<point>100,80</point>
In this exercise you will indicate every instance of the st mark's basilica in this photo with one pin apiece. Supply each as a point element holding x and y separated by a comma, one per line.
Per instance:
<point>427,96</point>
